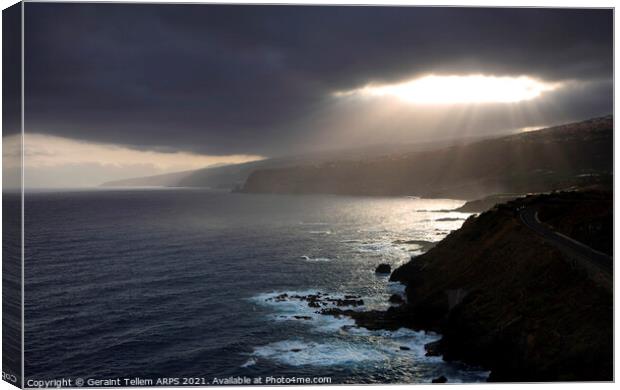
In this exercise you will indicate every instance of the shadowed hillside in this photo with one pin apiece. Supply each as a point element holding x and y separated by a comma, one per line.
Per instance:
<point>558,157</point>
<point>507,299</point>
<point>233,176</point>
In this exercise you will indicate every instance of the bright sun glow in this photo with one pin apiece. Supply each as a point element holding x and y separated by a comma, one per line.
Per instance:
<point>434,89</point>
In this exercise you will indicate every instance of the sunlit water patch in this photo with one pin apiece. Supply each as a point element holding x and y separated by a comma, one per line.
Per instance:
<point>175,284</point>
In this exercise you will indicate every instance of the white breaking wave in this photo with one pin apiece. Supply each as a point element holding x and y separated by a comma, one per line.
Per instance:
<point>249,363</point>
<point>343,342</point>
<point>362,347</point>
<point>300,353</point>
<point>315,259</point>
<point>320,232</point>
<point>375,247</point>
<point>293,309</point>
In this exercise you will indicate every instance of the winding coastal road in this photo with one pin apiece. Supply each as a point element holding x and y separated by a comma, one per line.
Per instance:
<point>529,217</point>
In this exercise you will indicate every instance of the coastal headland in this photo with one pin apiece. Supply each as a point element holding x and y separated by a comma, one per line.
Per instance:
<point>512,300</point>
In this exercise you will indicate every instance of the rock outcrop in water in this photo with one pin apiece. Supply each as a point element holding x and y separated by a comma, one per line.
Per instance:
<point>396,299</point>
<point>441,379</point>
<point>319,299</point>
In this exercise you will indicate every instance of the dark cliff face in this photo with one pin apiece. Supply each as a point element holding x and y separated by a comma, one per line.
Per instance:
<point>530,162</point>
<point>588,218</point>
<point>507,300</point>
<point>480,205</point>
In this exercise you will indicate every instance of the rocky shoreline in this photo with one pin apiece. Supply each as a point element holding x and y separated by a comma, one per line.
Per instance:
<point>504,300</point>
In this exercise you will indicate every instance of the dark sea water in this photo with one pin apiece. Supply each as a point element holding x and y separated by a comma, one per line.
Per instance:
<point>174,283</point>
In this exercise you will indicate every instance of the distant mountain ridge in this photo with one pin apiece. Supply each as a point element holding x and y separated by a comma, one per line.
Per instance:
<point>163,180</point>
<point>233,176</point>
<point>542,160</point>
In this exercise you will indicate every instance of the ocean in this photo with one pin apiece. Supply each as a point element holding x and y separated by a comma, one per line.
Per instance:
<point>180,283</point>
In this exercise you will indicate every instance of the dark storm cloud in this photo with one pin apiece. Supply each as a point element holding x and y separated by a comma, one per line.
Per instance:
<point>239,79</point>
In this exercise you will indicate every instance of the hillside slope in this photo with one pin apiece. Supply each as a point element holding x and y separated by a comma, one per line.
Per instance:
<point>233,176</point>
<point>553,158</point>
<point>506,299</point>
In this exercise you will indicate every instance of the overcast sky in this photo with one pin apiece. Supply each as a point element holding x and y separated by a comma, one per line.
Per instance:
<point>217,80</point>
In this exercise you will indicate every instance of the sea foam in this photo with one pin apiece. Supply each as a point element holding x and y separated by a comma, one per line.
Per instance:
<point>302,353</point>
<point>315,259</point>
<point>340,342</point>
